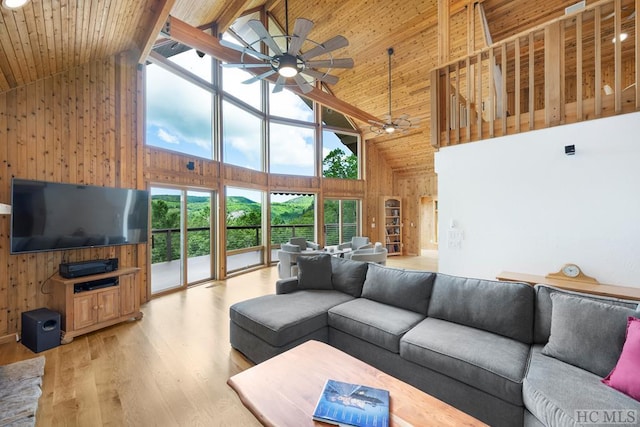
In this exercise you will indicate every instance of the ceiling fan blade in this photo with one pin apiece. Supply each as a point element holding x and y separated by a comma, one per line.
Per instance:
<point>264,35</point>
<point>300,31</point>
<point>376,122</point>
<point>330,45</point>
<point>279,84</point>
<point>246,50</point>
<point>303,84</point>
<point>323,77</point>
<point>331,63</point>
<point>404,117</point>
<point>240,65</point>
<point>259,77</point>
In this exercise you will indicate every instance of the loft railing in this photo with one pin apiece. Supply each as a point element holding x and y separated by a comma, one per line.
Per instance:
<point>571,69</point>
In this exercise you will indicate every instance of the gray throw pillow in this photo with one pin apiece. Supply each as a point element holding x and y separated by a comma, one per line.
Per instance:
<point>406,289</point>
<point>348,276</point>
<point>586,333</point>
<point>314,272</point>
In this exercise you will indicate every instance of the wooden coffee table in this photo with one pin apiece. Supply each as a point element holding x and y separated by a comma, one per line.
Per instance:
<point>283,391</point>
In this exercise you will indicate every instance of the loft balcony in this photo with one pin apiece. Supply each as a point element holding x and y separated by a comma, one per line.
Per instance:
<point>581,66</point>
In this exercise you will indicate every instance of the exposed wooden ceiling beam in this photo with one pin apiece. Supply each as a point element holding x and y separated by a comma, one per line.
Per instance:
<point>160,12</point>
<point>186,34</point>
<point>234,9</point>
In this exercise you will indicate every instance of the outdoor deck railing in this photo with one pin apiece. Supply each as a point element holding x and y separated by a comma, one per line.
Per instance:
<point>165,242</point>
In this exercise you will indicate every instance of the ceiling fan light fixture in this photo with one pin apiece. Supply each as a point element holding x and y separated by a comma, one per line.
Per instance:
<point>286,65</point>
<point>14,4</point>
<point>389,128</point>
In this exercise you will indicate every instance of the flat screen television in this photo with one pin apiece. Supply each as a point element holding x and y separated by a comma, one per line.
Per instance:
<point>48,216</point>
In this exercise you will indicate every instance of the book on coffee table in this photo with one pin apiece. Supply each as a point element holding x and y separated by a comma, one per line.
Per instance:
<point>346,404</point>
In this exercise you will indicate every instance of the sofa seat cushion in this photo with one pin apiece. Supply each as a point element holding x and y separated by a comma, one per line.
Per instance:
<point>374,322</point>
<point>561,394</point>
<point>489,362</point>
<point>280,319</point>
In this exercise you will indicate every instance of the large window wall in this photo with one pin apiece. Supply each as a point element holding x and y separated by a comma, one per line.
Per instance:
<point>195,106</point>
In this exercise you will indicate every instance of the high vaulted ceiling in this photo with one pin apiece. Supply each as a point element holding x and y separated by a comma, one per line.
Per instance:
<point>49,36</point>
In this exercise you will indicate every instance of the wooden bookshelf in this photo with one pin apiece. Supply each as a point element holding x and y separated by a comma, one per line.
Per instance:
<point>392,229</point>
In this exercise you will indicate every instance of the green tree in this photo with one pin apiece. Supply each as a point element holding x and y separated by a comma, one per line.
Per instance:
<point>337,164</point>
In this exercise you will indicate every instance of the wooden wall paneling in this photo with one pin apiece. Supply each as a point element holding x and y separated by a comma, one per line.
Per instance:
<point>379,182</point>
<point>343,188</point>
<point>234,175</point>
<point>411,188</point>
<point>58,124</point>
<point>5,197</point>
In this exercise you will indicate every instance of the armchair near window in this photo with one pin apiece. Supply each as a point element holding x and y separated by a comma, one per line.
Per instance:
<point>303,243</point>
<point>355,243</point>
<point>377,254</point>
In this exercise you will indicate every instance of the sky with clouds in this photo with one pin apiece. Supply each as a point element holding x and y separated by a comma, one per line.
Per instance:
<point>179,118</point>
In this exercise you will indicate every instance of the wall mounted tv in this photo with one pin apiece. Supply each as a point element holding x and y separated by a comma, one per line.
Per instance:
<point>49,216</point>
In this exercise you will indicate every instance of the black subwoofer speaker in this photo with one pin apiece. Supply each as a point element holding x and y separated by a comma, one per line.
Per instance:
<point>40,329</point>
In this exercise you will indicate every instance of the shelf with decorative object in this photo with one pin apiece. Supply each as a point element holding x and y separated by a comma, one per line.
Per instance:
<point>589,286</point>
<point>392,224</point>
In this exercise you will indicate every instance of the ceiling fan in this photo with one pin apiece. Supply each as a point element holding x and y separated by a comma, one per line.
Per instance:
<point>291,63</point>
<point>390,125</point>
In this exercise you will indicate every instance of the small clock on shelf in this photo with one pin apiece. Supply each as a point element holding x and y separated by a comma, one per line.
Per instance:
<point>571,272</point>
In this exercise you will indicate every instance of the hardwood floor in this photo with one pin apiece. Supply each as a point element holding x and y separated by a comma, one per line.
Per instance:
<point>169,369</point>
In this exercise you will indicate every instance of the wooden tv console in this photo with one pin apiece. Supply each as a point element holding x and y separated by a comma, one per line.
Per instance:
<point>88,311</point>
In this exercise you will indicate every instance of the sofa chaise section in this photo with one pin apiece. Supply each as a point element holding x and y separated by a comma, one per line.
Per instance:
<point>263,327</point>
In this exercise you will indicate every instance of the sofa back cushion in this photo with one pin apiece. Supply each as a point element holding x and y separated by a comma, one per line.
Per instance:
<point>504,308</point>
<point>585,333</point>
<point>348,276</point>
<point>406,289</point>
<point>314,272</point>
<point>543,308</point>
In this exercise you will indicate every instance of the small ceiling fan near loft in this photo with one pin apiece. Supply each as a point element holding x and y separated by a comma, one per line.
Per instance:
<point>291,63</point>
<point>389,124</point>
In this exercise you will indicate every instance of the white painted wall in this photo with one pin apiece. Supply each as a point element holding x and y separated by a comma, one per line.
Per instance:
<point>518,203</point>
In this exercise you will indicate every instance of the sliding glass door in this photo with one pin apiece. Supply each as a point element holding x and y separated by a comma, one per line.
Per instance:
<point>181,244</point>
<point>341,220</point>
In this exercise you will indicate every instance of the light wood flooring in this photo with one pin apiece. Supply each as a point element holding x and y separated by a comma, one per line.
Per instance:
<point>169,369</point>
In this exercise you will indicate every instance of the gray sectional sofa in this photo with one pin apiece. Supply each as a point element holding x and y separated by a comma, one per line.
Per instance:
<point>506,353</point>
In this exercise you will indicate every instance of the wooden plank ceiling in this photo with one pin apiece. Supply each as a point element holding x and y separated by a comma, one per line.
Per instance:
<point>46,37</point>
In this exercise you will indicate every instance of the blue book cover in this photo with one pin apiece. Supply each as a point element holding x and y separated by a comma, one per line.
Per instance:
<point>346,404</point>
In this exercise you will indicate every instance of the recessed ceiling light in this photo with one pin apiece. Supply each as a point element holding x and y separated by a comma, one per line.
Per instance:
<point>14,4</point>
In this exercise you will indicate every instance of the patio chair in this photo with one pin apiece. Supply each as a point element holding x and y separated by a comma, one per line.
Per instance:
<point>377,254</point>
<point>355,243</point>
